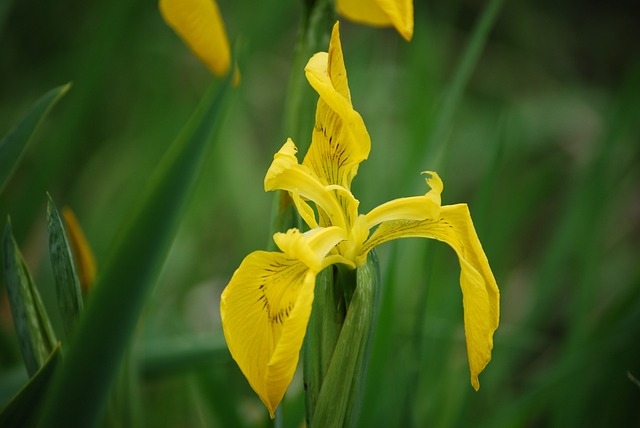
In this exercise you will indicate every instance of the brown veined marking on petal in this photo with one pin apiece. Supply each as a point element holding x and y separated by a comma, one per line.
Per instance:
<point>400,231</point>
<point>329,148</point>
<point>278,272</point>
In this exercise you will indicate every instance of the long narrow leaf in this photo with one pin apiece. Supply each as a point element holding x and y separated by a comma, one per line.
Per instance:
<point>434,150</point>
<point>167,356</point>
<point>14,143</point>
<point>34,330</point>
<point>64,271</point>
<point>136,259</point>
<point>23,409</point>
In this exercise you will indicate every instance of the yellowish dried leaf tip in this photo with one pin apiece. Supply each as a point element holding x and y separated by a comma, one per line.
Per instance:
<point>82,254</point>
<point>382,13</point>
<point>199,24</point>
<point>265,308</point>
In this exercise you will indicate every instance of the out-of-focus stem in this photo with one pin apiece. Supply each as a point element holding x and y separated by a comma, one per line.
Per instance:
<point>317,20</point>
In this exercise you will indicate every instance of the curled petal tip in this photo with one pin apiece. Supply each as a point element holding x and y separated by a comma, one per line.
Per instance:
<point>434,181</point>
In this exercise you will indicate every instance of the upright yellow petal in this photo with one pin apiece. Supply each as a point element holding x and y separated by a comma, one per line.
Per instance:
<point>398,13</point>
<point>199,24</point>
<point>285,173</point>
<point>340,140</point>
<point>265,310</point>
<point>481,297</point>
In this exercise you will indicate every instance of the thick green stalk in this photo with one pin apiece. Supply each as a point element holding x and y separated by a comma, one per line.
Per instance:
<point>323,330</point>
<point>338,344</point>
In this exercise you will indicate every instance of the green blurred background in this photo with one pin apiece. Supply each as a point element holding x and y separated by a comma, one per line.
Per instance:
<point>544,146</point>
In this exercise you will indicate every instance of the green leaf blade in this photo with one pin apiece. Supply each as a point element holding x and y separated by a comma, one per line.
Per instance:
<point>34,330</point>
<point>24,407</point>
<point>137,256</point>
<point>67,284</point>
<point>14,143</point>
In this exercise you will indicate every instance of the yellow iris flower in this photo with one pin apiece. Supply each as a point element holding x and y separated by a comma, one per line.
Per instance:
<point>380,13</point>
<point>266,306</point>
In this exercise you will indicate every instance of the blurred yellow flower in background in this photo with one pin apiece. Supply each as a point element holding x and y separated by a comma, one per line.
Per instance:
<point>383,13</point>
<point>199,24</point>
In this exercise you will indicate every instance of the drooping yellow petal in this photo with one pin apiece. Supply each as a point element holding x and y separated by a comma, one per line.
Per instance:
<point>265,311</point>
<point>340,140</point>
<point>398,13</point>
<point>82,254</point>
<point>199,24</point>
<point>285,173</point>
<point>411,208</point>
<point>481,297</point>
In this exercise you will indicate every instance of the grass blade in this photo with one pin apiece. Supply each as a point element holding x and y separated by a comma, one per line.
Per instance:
<point>32,325</point>
<point>24,407</point>
<point>168,356</point>
<point>136,259</point>
<point>14,143</point>
<point>67,283</point>
<point>434,150</point>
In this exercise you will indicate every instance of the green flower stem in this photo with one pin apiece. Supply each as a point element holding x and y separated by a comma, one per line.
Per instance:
<point>326,321</point>
<point>317,21</point>
<point>342,378</point>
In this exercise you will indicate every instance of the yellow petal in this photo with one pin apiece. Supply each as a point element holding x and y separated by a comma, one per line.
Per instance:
<point>310,247</point>
<point>340,140</point>
<point>285,173</point>
<point>398,13</point>
<point>82,254</point>
<point>199,24</point>
<point>265,311</point>
<point>412,208</point>
<point>358,234</point>
<point>481,297</point>
<point>304,209</point>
